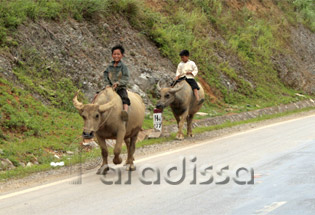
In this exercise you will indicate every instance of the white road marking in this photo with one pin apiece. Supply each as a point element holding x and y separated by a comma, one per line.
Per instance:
<point>269,208</point>
<point>148,158</point>
<point>220,138</point>
<point>41,187</point>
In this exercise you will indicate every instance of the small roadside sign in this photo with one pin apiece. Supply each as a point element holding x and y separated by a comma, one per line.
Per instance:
<point>157,119</point>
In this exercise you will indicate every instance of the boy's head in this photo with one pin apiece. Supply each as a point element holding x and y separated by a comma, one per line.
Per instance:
<point>184,55</point>
<point>118,53</point>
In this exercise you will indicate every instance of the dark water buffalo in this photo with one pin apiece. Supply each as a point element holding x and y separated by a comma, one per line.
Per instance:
<point>103,119</point>
<point>183,104</point>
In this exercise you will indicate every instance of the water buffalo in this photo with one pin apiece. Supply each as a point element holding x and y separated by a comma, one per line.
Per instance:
<point>183,104</point>
<point>102,118</point>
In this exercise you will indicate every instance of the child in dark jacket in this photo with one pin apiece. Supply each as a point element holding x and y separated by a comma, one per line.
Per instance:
<point>117,76</point>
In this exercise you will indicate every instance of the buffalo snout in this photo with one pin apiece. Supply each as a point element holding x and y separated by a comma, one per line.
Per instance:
<point>159,106</point>
<point>88,134</point>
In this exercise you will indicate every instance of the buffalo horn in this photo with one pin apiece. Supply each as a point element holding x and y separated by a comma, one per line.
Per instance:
<point>175,90</point>
<point>158,86</point>
<point>107,106</point>
<point>78,105</point>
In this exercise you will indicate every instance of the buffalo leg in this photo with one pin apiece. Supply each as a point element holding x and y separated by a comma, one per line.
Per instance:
<point>189,125</point>
<point>183,117</point>
<point>177,118</point>
<point>104,168</point>
<point>131,151</point>
<point>127,141</point>
<point>117,150</point>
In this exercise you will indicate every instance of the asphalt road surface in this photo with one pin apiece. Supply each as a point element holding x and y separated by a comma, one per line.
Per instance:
<point>267,170</point>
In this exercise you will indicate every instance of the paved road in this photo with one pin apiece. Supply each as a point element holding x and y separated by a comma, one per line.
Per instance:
<point>279,158</point>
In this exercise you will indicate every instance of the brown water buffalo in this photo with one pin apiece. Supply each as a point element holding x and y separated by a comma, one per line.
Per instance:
<point>183,104</point>
<point>102,118</point>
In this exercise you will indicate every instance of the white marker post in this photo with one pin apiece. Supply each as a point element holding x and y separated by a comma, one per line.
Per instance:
<point>157,124</point>
<point>157,120</point>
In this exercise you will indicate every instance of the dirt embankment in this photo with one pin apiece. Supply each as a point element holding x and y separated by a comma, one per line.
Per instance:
<point>82,51</point>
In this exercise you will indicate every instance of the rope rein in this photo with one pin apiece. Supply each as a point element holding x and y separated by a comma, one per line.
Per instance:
<point>108,115</point>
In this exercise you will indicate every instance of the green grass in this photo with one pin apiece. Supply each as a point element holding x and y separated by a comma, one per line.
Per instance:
<point>253,40</point>
<point>16,12</point>
<point>49,82</point>
<point>299,11</point>
<point>31,131</point>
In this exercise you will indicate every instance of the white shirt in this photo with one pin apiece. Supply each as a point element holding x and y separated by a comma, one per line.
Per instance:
<point>183,68</point>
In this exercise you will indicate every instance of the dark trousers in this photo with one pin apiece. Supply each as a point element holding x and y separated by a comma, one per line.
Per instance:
<point>192,82</point>
<point>122,92</point>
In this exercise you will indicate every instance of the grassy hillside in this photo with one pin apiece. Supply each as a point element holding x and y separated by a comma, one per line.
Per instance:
<point>234,44</point>
<point>250,36</point>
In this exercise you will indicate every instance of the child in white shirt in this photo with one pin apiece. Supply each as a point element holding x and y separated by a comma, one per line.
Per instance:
<point>187,69</point>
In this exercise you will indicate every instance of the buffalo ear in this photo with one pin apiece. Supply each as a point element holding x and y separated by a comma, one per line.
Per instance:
<point>80,111</point>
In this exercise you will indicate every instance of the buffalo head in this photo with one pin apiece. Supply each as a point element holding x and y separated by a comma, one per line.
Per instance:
<point>167,96</point>
<point>92,115</point>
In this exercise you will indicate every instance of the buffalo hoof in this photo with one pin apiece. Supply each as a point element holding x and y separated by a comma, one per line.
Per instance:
<point>130,167</point>
<point>117,160</point>
<point>102,170</point>
<point>190,135</point>
<point>179,136</point>
<point>127,162</point>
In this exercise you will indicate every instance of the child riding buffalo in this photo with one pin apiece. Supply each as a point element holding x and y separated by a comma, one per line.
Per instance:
<point>187,70</point>
<point>117,76</point>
